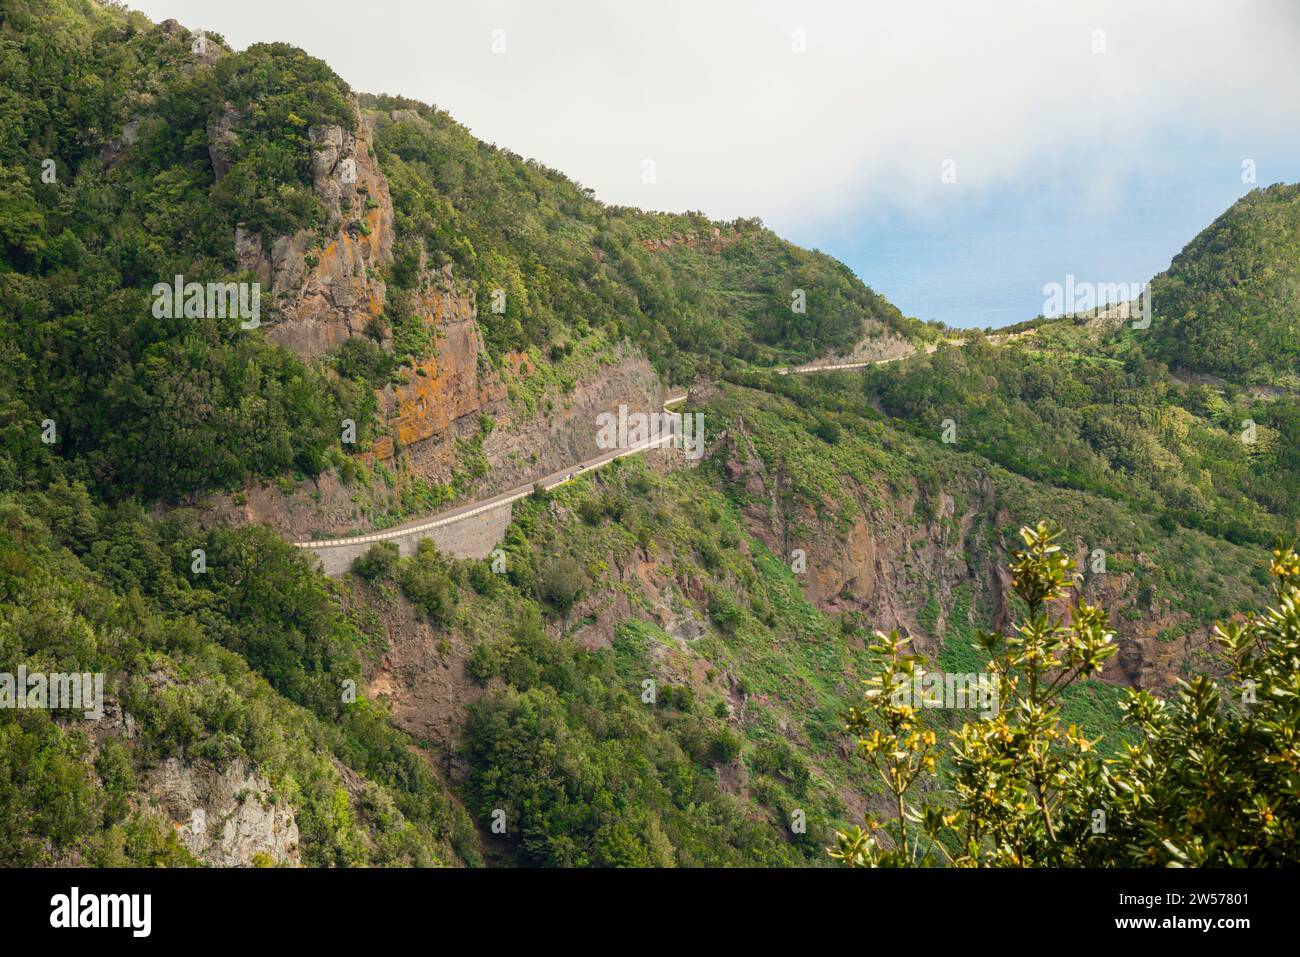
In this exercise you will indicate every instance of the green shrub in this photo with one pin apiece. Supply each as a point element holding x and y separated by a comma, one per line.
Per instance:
<point>591,511</point>
<point>430,589</point>
<point>377,562</point>
<point>482,665</point>
<point>560,582</point>
<point>1210,781</point>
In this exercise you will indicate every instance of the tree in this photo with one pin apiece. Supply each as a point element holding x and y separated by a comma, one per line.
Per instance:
<point>429,588</point>
<point>1212,780</point>
<point>561,582</point>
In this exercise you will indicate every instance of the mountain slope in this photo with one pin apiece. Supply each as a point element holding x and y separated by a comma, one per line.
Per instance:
<point>1229,304</point>
<point>171,157</point>
<point>1099,415</point>
<point>227,737</point>
<point>684,287</point>
<point>469,313</point>
<point>744,589</point>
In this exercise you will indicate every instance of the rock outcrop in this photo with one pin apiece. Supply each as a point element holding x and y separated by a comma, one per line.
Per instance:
<point>903,558</point>
<point>325,287</point>
<point>226,818</point>
<point>451,387</point>
<point>712,240</point>
<point>222,140</point>
<point>324,284</point>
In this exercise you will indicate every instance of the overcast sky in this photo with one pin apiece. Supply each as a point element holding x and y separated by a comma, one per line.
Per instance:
<point>1093,138</point>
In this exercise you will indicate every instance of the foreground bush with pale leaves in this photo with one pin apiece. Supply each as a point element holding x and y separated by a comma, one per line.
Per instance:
<point>1212,779</point>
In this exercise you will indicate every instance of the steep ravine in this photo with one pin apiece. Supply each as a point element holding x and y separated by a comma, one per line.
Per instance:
<point>900,561</point>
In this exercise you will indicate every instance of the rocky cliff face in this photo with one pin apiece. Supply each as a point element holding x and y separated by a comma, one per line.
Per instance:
<point>430,413</point>
<point>446,392</point>
<point>882,564</point>
<point>225,818</point>
<point>713,240</point>
<point>903,559</point>
<point>324,285</point>
<point>524,446</point>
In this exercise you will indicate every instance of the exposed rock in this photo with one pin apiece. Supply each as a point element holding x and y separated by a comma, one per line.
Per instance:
<point>325,289</point>
<point>225,818</point>
<point>423,678</point>
<point>115,150</point>
<point>327,295</point>
<point>898,558</point>
<point>876,342</point>
<point>249,255</point>
<point>334,169</point>
<point>204,49</point>
<point>449,387</point>
<point>519,449</point>
<point>714,241</point>
<point>222,140</point>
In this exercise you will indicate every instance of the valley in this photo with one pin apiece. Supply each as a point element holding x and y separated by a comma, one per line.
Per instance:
<point>369,587</point>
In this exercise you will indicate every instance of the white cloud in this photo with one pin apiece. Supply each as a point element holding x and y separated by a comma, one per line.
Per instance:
<point>739,124</point>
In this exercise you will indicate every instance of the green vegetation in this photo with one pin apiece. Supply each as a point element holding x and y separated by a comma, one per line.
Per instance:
<point>1226,306</point>
<point>1210,780</point>
<point>145,406</point>
<point>565,741</point>
<point>1121,427</point>
<point>647,681</point>
<point>249,660</point>
<point>557,253</point>
<point>595,776</point>
<point>761,687</point>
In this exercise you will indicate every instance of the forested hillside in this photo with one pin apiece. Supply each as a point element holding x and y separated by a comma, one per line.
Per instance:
<point>654,667</point>
<point>1107,418</point>
<point>116,174</point>
<point>239,669</point>
<point>129,117</point>
<point>693,292</point>
<point>1227,303</point>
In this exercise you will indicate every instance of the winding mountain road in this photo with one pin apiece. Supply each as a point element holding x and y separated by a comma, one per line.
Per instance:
<point>429,523</point>
<point>461,512</point>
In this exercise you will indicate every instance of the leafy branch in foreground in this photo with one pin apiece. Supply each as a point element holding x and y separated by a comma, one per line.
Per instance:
<point>1213,780</point>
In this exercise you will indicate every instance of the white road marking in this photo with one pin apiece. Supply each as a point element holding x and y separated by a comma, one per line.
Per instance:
<point>581,467</point>
<point>510,497</point>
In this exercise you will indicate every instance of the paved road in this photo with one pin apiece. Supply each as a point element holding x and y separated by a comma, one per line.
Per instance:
<point>814,367</point>
<point>462,512</point>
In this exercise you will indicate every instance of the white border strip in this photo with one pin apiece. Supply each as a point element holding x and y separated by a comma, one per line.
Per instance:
<point>514,497</point>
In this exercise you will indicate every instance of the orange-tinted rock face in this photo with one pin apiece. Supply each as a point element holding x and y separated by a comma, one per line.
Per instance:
<point>519,362</point>
<point>325,288</point>
<point>447,387</point>
<point>324,294</point>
